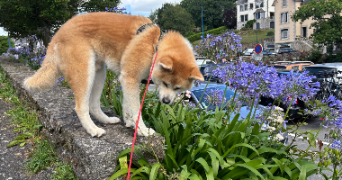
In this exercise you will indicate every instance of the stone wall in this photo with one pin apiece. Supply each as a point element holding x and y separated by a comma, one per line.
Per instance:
<point>91,158</point>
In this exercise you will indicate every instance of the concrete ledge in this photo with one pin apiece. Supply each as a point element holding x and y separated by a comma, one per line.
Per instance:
<point>91,158</point>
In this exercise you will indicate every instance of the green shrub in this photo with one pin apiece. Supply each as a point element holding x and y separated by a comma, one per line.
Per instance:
<point>271,33</point>
<point>197,36</point>
<point>4,44</point>
<point>249,24</point>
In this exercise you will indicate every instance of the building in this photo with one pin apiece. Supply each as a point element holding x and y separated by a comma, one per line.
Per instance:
<point>287,31</point>
<point>260,10</point>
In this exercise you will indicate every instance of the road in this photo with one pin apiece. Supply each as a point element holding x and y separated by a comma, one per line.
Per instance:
<point>313,124</point>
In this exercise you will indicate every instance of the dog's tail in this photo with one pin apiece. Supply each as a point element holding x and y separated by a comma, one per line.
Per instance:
<point>45,77</point>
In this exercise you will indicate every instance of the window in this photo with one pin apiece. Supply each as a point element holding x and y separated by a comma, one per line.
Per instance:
<point>262,15</point>
<point>257,25</point>
<point>242,18</point>
<point>246,7</point>
<point>272,25</point>
<point>257,16</point>
<point>284,17</point>
<point>251,6</point>
<point>284,3</point>
<point>295,68</point>
<point>284,33</point>
<point>241,7</point>
<point>303,31</point>
<point>262,4</point>
<point>246,17</point>
<point>256,5</point>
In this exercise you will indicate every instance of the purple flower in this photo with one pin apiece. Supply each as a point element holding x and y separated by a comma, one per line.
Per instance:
<point>214,97</point>
<point>336,144</point>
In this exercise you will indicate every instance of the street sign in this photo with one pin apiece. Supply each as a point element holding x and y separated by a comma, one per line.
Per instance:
<point>258,49</point>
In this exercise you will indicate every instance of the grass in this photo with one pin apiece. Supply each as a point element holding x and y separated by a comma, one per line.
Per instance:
<point>26,123</point>
<point>249,36</point>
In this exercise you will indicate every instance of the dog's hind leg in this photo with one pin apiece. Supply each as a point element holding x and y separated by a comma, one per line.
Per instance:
<point>80,74</point>
<point>95,108</point>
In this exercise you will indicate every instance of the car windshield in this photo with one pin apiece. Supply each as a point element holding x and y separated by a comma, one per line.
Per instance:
<point>279,67</point>
<point>198,93</point>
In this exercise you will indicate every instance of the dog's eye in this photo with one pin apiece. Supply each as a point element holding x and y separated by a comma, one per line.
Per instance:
<point>177,88</point>
<point>165,84</point>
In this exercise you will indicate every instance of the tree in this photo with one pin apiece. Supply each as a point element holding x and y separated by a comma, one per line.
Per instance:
<point>327,20</point>
<point>4,44</point>
<point>154,16</point>
<point>212,11</point>
<point>98,5</point>
<point>43,18</point>
<point>229,18</point>
<point>175,17</point>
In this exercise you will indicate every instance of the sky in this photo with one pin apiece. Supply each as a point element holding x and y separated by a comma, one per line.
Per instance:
<point>144,7</point>
<point>135,7</point>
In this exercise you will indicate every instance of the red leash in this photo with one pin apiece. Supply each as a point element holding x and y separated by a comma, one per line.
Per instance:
<point>137,123</point>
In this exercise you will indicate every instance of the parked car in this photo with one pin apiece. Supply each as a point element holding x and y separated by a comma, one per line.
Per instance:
<point>292,66</point>
<point>268,52</point>
<point>201,61</point>
<point>326,67</point>
<point>286,50</point>
<point>292,62</point>
<point>248,52</point>
<point>196,93</point>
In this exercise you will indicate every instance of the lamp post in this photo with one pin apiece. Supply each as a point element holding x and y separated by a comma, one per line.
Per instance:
<point>9,40</point>
<point>202,20</point>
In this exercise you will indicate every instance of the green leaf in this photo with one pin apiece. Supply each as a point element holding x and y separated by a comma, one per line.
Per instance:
<point>204,164</point>
<point>312,140</point>
<point>241,145</point>
<point>119,173</point>
<point>280,164</point>
<point>302,175</point>
<point>154,171</point>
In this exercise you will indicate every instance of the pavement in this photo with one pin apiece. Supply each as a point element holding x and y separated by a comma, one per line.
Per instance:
<point>313,124</point>
<point>12,160</point>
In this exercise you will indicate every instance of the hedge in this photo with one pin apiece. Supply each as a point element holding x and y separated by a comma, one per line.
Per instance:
<point>197,36</point>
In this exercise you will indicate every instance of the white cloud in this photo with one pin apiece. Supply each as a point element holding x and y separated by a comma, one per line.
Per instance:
<point>144,7</point>
<point>3,32</point>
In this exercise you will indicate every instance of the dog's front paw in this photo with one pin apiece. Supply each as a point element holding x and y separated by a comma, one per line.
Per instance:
<point>96,132</point>
<point>145,132</point>
<point>111,120</point>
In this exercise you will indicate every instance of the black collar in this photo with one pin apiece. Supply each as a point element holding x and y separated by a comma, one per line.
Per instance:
<point>143,27</point>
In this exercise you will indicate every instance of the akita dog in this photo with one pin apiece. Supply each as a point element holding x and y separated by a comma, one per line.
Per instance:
<point>86,45</point>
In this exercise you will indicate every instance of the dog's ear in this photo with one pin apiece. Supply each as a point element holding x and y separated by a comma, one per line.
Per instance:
<point>196,75</point>
<point>166,63</point>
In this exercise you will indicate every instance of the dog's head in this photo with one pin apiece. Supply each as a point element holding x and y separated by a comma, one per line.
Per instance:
<point>175,69</point>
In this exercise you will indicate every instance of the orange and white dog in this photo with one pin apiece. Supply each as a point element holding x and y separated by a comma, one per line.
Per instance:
<point>86,45</point>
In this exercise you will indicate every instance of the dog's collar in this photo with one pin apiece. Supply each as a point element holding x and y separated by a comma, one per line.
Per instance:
<point>143,27</point>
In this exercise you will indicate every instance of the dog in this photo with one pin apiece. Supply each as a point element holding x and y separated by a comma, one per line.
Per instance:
<point>89,44</point>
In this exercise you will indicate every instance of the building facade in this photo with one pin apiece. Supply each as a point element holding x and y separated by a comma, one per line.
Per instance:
<point>287,31</point>
<point>260,10</point>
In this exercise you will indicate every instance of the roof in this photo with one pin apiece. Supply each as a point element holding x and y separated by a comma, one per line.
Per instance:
<point>304,1</point>
<point>330,65</point>
<point>259,11</point>
<point>241,2</point>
